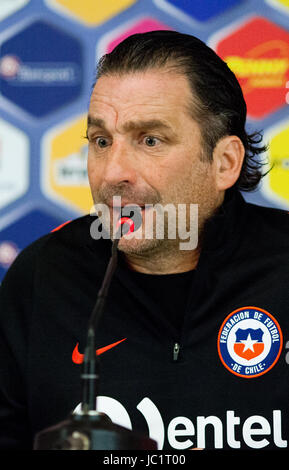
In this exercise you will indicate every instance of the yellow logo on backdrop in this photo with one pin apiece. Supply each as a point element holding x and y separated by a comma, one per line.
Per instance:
<point>65,168</point>
<point>246,66</point>
<point>284,2</point>
<point>278,177</point>
<point>282,5</point>
<point>93,12</point>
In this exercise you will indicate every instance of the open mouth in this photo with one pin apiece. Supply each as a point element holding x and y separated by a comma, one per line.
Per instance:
<point>129,210</point>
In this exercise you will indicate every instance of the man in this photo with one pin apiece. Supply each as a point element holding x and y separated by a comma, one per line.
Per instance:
<point>195,336</point>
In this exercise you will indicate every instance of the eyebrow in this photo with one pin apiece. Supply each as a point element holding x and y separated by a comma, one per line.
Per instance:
<point>95,122</point>
<point>131,125</point>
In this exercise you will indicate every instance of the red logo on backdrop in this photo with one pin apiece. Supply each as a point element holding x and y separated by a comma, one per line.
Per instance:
<point>258,53</point>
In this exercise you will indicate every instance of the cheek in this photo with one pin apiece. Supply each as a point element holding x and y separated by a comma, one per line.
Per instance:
<point>192,181</point>
<point>90,171</point>
<point>93,170</point>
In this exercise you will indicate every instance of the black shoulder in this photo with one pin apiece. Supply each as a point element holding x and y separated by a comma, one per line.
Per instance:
<point>75,231</point>
<point>271,216</point>
<point>26,259</point>
<point>270,225</point>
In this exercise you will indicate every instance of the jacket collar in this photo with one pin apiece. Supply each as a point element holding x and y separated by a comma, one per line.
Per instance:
<point>223,231</point>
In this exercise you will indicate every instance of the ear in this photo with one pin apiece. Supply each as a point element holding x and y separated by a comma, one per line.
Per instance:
<point>228,158</point>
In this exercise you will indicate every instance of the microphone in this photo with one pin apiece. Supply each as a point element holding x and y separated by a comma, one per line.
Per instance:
<point>89,429</point>
<point>124,226</point>
<point>90,374</point>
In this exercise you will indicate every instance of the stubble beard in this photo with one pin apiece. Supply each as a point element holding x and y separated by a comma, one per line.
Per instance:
<point>140,246</point>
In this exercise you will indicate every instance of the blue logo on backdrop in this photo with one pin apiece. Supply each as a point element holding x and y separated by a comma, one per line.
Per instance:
<point>41,68</point>
<point>200,9</point>
<point>21,233</point>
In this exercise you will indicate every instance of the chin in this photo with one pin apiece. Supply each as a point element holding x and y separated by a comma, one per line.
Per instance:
<point>134,246</point>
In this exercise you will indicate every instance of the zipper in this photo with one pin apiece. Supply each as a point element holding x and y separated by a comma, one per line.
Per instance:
<point>176,351</point>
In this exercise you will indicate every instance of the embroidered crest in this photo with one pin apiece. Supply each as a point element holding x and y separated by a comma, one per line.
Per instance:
<point>249,342</point>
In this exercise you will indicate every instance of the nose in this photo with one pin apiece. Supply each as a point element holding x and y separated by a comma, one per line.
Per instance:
<point>120,165</point>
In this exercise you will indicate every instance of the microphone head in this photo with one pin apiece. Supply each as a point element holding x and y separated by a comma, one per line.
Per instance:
<point>129,223</point>
<point>124,226</point>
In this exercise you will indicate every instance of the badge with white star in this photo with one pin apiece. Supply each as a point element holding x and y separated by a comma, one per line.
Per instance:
<point>249,342</point>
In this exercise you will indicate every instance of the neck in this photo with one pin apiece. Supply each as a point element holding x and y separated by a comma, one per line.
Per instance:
<point>174,261</point>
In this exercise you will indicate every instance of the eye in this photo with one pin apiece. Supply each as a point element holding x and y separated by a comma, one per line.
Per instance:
<point>151,141</point>
<point>101,142</point>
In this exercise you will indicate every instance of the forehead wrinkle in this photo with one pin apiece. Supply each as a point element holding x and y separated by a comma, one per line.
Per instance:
<point>157,120</point>
<point>94,121</point>
<point>149,124</point>
<point>95,112</point>
<point>145,124</point>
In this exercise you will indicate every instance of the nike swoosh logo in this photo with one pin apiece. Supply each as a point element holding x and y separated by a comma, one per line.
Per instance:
<point>78,358</point>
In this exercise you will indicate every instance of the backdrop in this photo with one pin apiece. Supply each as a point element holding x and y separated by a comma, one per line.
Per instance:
<point>48,55</point>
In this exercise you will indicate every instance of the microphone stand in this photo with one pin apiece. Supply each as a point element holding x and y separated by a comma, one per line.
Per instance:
<point>89,429</point>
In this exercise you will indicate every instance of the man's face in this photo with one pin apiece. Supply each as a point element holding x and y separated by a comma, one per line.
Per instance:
<point>145,147</point>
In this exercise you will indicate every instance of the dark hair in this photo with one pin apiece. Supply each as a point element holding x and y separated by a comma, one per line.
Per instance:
<point>218,103</point>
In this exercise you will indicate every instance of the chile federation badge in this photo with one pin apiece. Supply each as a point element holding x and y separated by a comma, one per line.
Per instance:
<point>249,342</point>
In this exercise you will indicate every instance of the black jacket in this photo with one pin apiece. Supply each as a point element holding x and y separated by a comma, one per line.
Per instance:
<point>225,387</point>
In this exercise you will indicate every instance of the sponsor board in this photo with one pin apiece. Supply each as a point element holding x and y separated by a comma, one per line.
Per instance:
<point>198,9</point>
<point>45,74</point>
<point>282,5</point>
<point>275,184</point>
<point>14,163</point>
<point>8,7</point>
<point>87,11</point>
<point>259,61</point>
<point>138,25</point>
<point>64,165</point>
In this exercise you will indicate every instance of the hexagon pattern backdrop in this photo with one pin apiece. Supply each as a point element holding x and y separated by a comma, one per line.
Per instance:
<point>48,55</point>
